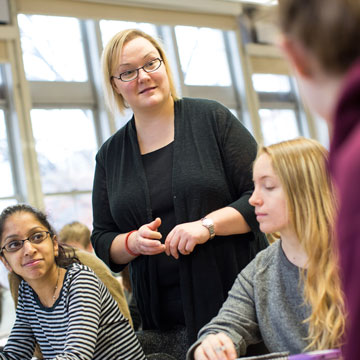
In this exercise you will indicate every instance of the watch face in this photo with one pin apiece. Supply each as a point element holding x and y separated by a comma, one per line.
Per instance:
<point>207,222</point>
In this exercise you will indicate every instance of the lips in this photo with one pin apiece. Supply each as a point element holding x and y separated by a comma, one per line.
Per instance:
<point>259,216</point>
<point>32,262</point>
<point>147,89</point>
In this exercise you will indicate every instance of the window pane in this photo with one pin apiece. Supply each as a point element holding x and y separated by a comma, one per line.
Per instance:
<point>67,208</point>
<point>52,48</point>
<point>6,202</point>
<point>66,148</point>
<point>271,83</point>
<point>2,85</point>
<point>6,188</point>
<point>110,27</point>
<point>322,130</point>
<point>278,125</point>
<point>202,56</point>
<point>121,120</point>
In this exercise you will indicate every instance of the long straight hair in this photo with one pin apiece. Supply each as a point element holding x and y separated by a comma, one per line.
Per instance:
<point>301,165</point>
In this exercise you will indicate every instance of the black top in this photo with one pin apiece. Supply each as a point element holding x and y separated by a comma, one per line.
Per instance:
<point>212,168</point>
<point>157,166</point>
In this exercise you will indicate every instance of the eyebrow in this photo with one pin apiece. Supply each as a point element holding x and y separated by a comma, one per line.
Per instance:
<point>263,177</point>
<point>144,57</point>
<point>31,230</point>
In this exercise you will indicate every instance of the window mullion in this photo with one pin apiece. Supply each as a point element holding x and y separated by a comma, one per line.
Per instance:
<point>104,121</point>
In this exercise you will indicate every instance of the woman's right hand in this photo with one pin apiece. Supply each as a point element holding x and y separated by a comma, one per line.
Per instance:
<point>146,241</point>
<point>215,347</point>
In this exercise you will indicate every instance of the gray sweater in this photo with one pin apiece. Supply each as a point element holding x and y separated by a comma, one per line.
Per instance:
<point>265,303</point>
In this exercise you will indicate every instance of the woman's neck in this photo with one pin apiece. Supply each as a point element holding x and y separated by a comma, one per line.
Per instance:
<point>293,249</point>
<point>155,128</point>
<point>48,287</point>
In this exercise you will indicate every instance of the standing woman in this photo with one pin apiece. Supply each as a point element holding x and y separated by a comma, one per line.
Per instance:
<point>289,296</point>
<point>171,193</point>
<point>62,305</point>
<point>321,40</point>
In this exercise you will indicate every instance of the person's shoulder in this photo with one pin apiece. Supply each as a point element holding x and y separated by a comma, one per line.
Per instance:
<point>200,103</point>
<point>116,139</point>
<point>209,114</point>
<point>76,271</point>
<point>266,258</point>
<point>93,262</point>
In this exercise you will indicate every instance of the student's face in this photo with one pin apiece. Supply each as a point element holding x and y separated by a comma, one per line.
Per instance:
<point>33,261</point>
<point>148,90</point>
<point>269,198</point>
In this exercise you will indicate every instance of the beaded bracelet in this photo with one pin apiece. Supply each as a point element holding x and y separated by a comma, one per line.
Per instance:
<point>127,246</point>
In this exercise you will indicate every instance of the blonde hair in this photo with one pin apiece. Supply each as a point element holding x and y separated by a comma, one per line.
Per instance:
<point>110,60</point>
<point>75,233</point>
<point>330,29</point>
<point>301,165</point>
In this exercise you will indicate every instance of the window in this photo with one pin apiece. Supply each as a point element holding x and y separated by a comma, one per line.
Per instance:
<point>63,209</point>
<point>202,56</point>
<point>66,148</point>
<point>7,187</point>
<point>278,107</point>
<point>51,54</point>
<point>278,125</point>
<point>271,83</point>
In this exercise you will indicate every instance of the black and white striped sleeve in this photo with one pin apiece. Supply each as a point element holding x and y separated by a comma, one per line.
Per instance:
<point>21,342</point>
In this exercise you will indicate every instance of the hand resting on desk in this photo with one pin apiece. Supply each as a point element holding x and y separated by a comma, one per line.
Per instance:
<point>215,347</point>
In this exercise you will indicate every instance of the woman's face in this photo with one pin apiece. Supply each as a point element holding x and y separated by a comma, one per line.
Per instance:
<point>32,261</point>
<point>148,90</point>
<point>269,198</point>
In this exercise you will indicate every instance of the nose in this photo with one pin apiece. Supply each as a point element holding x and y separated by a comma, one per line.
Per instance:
<point>255,198</point>
<point>143,74</point>
<point>28,248</point>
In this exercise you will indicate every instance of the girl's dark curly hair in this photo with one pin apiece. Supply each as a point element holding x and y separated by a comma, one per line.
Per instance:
<point>66,255</point>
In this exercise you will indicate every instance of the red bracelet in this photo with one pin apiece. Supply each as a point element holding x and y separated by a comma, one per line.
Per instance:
<point>127,246</point>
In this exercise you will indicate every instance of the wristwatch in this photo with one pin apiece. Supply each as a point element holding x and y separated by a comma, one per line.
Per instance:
<point>209,224</point>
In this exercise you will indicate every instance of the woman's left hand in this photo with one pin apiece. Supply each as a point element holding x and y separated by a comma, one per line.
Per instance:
<point>184,237</point>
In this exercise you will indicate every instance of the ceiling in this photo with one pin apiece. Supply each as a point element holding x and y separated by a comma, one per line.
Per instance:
<point>229,7</point>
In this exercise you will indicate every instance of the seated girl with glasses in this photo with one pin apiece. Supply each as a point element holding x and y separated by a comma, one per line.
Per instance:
<point>62,305</point>
<point>289,296</point>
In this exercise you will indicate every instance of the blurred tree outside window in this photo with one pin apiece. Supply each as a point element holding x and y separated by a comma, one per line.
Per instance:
<point>66,147</point>
<point>202,56</point>
<point>52,48</point>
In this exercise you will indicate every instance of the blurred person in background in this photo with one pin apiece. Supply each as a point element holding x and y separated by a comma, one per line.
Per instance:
<point>321,40</point>
<point>76,235</point>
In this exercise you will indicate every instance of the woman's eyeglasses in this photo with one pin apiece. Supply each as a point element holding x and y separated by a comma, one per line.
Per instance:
<point>16,245</point>
<point>131,75</point>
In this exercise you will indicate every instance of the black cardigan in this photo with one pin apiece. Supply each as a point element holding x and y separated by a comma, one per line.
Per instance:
<point>212,168</point>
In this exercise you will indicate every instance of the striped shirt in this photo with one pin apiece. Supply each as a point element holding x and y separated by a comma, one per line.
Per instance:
<point>84,323</point>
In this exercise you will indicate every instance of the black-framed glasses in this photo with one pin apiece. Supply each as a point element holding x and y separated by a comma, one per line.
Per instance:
<point>131,75</point>
<point>16,245</point>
